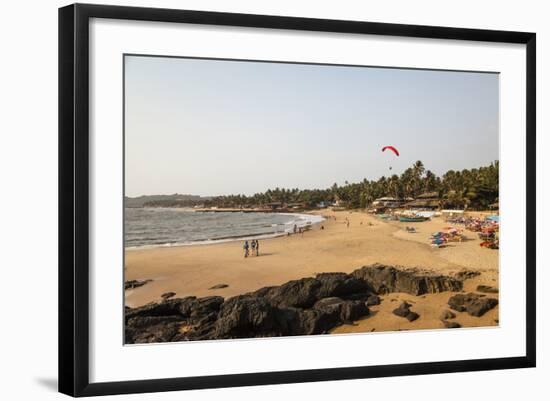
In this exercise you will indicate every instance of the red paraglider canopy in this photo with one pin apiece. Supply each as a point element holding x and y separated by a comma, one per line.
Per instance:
<point>392,149</point>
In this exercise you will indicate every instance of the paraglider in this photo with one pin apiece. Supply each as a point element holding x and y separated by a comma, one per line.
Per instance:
<point>393,149</point>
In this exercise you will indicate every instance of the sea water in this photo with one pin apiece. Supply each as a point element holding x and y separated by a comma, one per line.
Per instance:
<point>156,227</point>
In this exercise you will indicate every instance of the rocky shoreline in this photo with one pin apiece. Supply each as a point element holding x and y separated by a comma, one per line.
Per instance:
<point>312,305</point>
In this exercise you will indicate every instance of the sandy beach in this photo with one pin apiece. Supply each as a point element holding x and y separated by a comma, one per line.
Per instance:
<point>193,270</point>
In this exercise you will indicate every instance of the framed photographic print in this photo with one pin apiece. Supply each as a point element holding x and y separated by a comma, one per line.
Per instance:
<point>250,199</point>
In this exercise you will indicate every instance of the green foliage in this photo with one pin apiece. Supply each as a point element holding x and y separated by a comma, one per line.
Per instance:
<point>474,189</point>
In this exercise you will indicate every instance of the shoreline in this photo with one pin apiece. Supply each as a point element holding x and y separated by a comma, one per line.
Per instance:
<point>267,235</point>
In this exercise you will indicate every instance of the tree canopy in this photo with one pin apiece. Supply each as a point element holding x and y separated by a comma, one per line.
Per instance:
<point>475,188</point>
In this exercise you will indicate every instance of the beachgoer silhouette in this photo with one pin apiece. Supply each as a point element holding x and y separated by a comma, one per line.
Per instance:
<point>253,245</point>
<point>295,228</point>
<point>257,248</point>
<point>245,247</point>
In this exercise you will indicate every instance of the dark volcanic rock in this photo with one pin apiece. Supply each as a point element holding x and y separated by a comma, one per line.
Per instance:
<point>451,325</point>
<point>404,310</point>
<point>373,300</point>
<point>244,316</point>
<point>163,321</point>
<point>151,329</point>
<point>305,292</point>
<point>466,274</point>
<point>205,306</point>
<point>446,314</point>
<point>167,295</point>
<point>347,311</point>
<point>458,302</point>
<point>188,307</point>
<point>296,293</point>
<point>218,286</point>
<point>480,306</point>
<point>474,304</point>
<point>131,284</point>
<point>248,316</point>
<point>314,321</point>
<point>167,308</point>
<point>359,285</point>
<point>487,289</point>
<point>385,279</point>
<point>353,310</point>
<point>412,316</point>
<point>299,307</point>
<point>340,284</point>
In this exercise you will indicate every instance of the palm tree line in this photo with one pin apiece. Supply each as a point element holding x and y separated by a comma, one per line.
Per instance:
<point>475,188</point>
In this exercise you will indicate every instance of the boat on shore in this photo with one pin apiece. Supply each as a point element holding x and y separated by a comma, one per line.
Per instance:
<point>412,219</point>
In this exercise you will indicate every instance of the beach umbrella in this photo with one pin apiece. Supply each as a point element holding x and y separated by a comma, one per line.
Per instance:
<point>393,149</point>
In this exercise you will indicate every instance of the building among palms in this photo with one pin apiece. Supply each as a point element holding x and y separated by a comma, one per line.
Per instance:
<point>425,201</point>
<point>386,203</point>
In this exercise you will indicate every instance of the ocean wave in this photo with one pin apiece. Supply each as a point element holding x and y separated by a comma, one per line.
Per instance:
<point>280,229</point>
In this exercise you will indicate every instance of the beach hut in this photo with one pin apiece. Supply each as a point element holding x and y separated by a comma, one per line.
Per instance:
<point>297,206</point>
<point>425,201</point>
<point>381,205</point>
<point>274,205</point>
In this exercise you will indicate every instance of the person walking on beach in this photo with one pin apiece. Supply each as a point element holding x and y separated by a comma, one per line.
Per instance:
<point>245,247</point>
<point>257,248</point>
<point>295,228</point>
<point>253,246</point>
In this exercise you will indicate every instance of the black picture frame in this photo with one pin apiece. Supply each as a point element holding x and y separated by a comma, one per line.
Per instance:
<point>74,198</point>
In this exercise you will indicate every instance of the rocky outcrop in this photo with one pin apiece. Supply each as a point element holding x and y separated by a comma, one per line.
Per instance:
<point>404,310</point>
<point>312,305</point>
<point>487,289</point>
<point>346,311</point>
<point>243,316</point>
<point>246,317</point>
<point>168,295</point>
<point>131,284</point>
<point>305,292</point>
<point>473,304</point>
<point>373,300</point>
<point>451,325</point>
<point>385,279</point>
<point>467,274</point>
<point>296,293</point>
<point>446,314</point>
<point>218,286</point>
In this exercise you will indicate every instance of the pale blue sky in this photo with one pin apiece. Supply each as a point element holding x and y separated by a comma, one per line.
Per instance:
<point>213,127</point>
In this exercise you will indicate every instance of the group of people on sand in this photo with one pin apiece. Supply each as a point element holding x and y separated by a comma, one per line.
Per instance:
<point>251,248</point>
